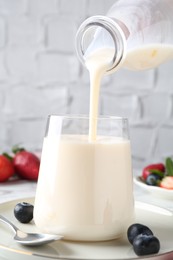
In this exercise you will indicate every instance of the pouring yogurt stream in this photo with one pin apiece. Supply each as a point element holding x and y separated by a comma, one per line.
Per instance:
<point>99,62</point>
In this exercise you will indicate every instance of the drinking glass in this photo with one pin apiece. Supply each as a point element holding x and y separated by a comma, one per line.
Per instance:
<point>85,190</point>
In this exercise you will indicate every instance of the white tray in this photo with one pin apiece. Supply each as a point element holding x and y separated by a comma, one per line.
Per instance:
<point>154,190</point>
<point>158,219</point>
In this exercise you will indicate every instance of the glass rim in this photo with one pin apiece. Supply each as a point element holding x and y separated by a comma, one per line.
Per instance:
<point>79,116</point>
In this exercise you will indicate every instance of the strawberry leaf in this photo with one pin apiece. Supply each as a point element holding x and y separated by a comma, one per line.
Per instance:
<point>159,173</point>
<point>16,149</point>
<point>169,166</point>
<point>8,156</point>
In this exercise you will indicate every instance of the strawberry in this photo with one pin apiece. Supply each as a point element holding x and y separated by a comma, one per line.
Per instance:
<point>167,182</point>
<point>26,164</point>
<point>6,168</point>
<point>158,168</point>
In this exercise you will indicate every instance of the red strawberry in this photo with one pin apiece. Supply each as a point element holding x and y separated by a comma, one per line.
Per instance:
<point>26,164</point>
<point>6,168</point>
<point>167,182</point>
<point>160,167</point>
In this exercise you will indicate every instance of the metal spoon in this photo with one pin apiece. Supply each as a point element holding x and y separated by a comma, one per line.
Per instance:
<point>29,239</point>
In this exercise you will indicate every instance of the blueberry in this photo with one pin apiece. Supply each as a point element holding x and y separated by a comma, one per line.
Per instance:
<point>153,179</point>
<point>24,212</point>
<point>137,229</point>
<point>146,245</point>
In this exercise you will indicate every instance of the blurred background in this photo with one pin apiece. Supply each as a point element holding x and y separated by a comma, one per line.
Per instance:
<point>40,75</point>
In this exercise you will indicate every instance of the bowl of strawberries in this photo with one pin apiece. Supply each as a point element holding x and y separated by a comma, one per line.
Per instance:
<point>157,178</point>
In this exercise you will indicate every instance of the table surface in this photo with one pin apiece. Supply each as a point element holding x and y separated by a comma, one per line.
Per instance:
<point>18,189</point>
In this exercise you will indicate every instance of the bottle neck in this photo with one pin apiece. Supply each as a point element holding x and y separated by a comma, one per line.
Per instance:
<point>99,32</point>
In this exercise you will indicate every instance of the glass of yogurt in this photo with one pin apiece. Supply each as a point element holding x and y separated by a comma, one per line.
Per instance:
<point>85,188</point>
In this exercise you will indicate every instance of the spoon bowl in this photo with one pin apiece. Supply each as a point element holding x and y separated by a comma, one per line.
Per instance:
<point>30,239</point>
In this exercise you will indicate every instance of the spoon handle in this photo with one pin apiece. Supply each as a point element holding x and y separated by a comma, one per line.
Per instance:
<point>6,221</point>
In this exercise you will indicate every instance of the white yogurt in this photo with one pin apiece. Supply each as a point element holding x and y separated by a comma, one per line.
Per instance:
<point>84,190</point>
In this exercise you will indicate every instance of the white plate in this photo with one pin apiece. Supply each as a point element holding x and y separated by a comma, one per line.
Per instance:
<point>158,219</point>
<point>155,190</point>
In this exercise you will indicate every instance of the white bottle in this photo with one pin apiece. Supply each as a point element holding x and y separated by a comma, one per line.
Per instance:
<point>140,34</point>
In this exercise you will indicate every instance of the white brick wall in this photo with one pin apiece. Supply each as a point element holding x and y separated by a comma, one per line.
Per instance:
<point>3,35</point>
<point>10,7</point>
<point>36,102</point>
<point>57,38</point>
<point>21,64</point>
<point>40,74</point>
<point>122,105</point>
<point>3,68</point>
<point>57,67</point>
<point>27,132</point>
<point>40,8</point>
<point>157,106</point>
<point>24,31</point>
<point>164,142</point>
<point>73,8</point>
